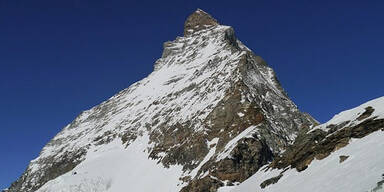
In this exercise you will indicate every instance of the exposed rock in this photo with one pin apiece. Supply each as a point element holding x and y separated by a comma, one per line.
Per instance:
<point>380,186</point>
<point>333,128</point>
<point>270,181</point>
<point>245,159</point>
<point>206,184</point>
<point>368,112</point>
<point>197,21</point>
<point>317,144</point>
<point>343,158</point>
<point>231,38</point>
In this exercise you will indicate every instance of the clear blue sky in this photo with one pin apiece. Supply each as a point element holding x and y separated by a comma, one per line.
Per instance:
<point>58,58</point>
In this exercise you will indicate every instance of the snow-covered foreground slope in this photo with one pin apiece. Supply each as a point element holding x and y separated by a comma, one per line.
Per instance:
<point>357,167</point>
<point>359,173</point>
<point>114,168</point>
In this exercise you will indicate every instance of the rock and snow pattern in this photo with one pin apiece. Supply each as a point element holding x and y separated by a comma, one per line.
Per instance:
<point>208,92</point>
<point>208,118</point>
<point>357,167</point>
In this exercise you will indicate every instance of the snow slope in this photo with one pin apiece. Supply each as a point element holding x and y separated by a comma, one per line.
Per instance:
<point>107,170</point>
<point>359,173</point>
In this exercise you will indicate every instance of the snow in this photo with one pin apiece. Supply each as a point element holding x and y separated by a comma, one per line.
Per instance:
<point>107,170</point>
<point>360,172</point>
<point>225,189</point>
<point>206,158</point>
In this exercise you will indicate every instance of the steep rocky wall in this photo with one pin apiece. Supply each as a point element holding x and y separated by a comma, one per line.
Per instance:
<point>244,106</point>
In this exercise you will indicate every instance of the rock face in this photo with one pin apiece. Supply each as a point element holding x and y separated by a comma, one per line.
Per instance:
<point>197,21</point>
<point>212,112</point>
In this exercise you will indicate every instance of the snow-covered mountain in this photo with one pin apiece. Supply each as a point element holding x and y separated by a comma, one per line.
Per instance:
<point>210,115</point>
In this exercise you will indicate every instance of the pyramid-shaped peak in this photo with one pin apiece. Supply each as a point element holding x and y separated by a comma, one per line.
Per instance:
<point>198,20</point>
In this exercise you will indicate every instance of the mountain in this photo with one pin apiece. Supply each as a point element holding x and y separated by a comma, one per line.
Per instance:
<point>212,116</point>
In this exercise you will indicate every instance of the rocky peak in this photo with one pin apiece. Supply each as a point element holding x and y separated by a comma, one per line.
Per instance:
<point>211,109</point>
<point>197,21</point>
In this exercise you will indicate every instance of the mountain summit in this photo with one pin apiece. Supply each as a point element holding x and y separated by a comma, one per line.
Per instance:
<point>198,20</point>
<point>209,116</point>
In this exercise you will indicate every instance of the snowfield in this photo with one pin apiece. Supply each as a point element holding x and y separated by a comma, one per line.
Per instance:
<point>359,173</point>
<point>107,170</point>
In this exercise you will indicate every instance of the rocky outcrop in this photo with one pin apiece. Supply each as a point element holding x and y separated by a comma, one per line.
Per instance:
<point>318,144</point>
<point>270,181</point>
<point>380,185</point>
<point>343,158</point>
